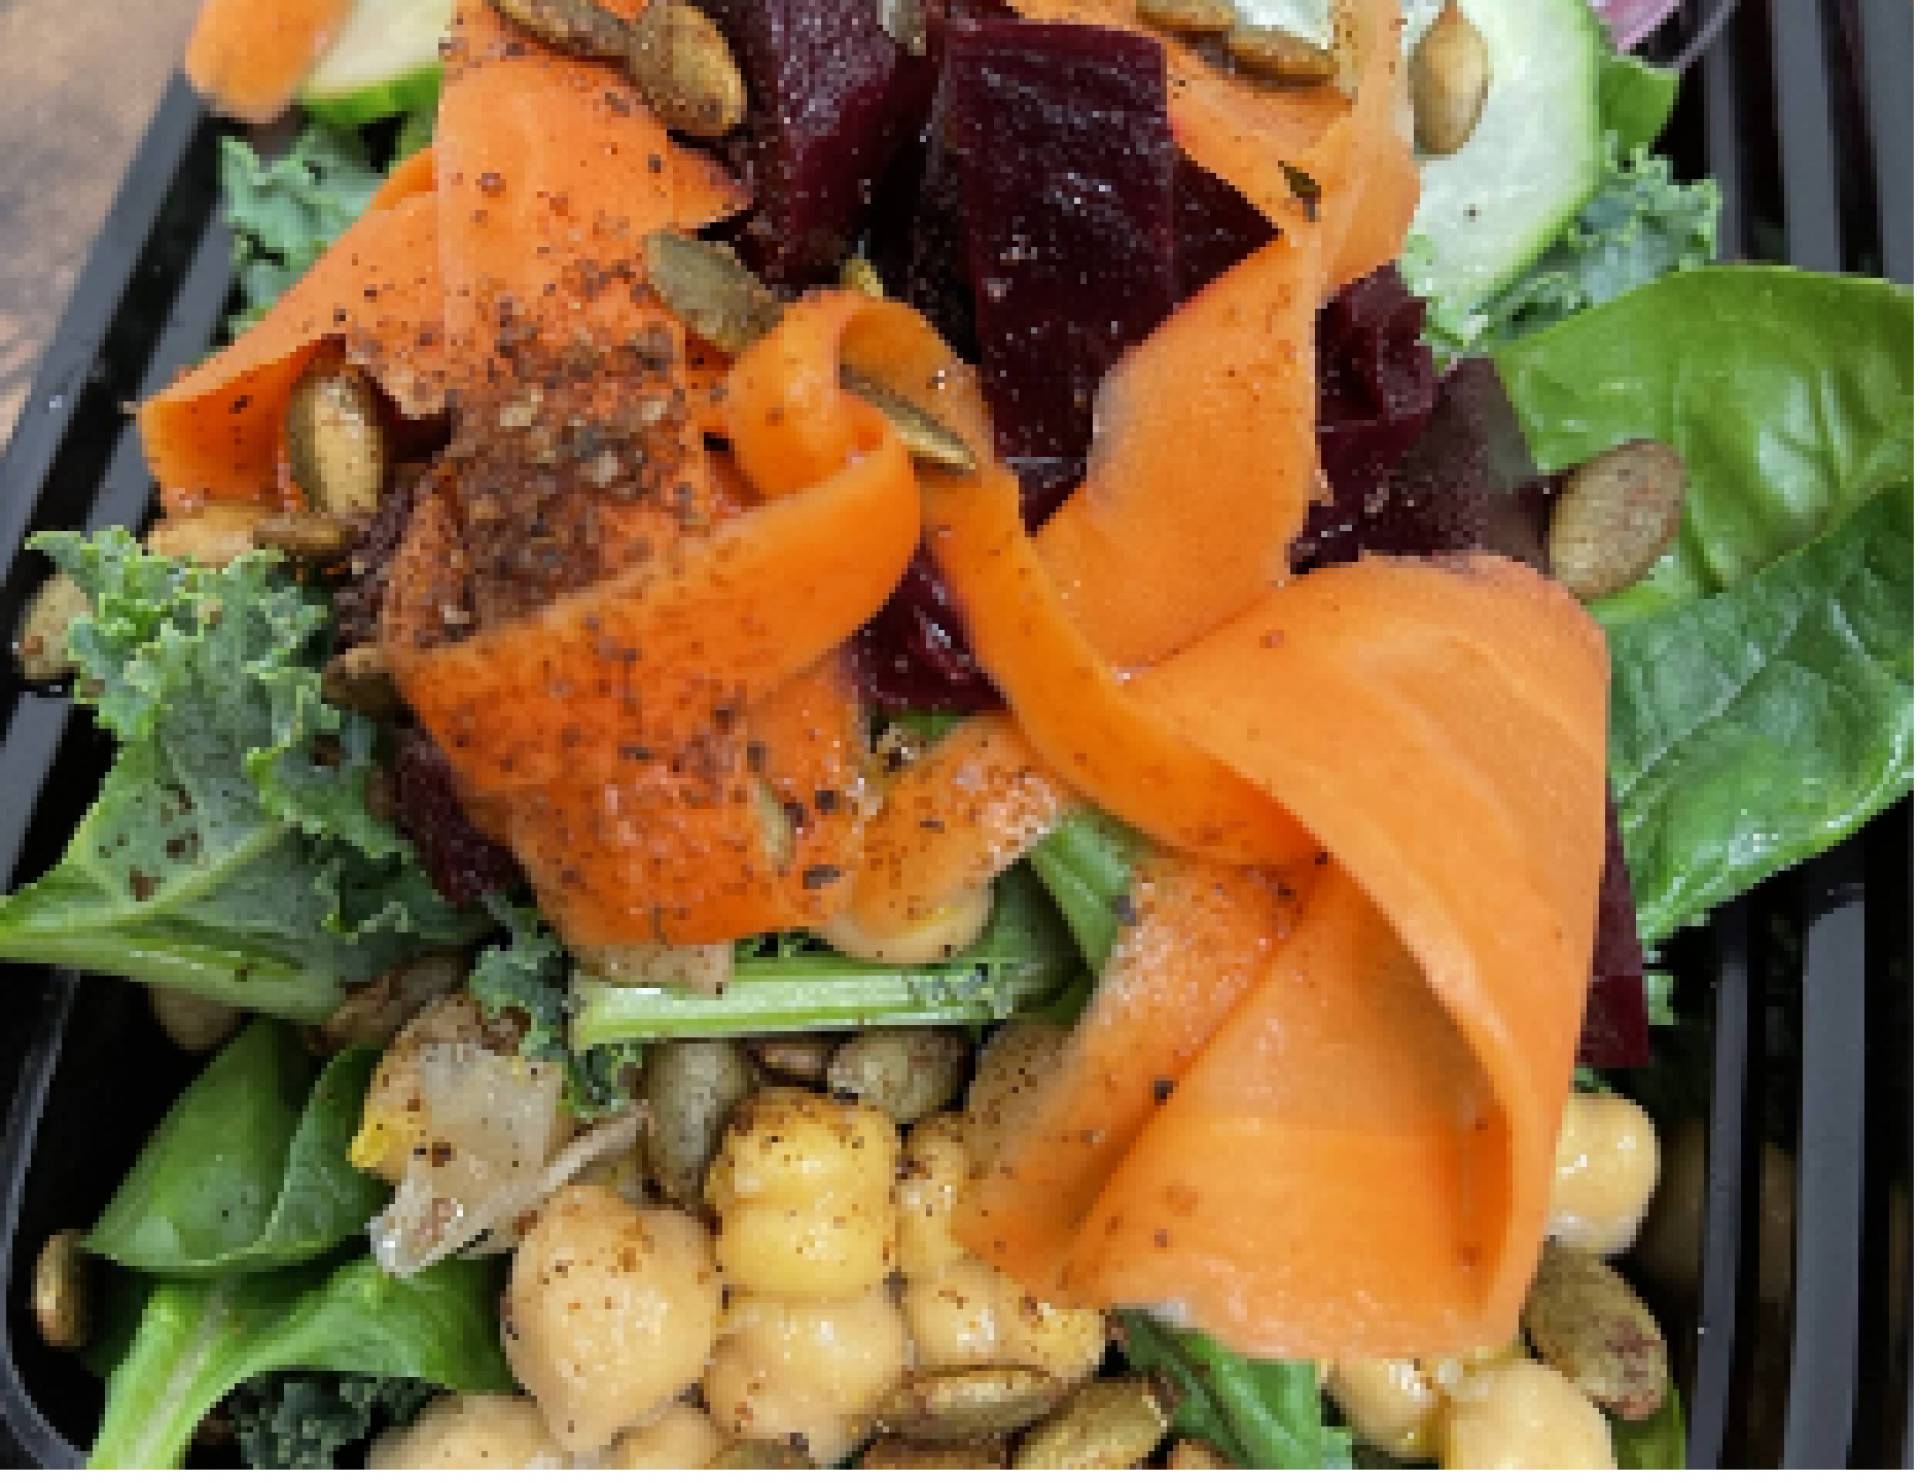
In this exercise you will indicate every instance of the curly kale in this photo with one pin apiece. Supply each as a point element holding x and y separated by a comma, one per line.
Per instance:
<point>284,1421</point>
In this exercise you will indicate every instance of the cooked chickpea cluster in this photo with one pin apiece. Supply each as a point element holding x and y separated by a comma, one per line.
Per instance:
<point>807,1269</point>
<point>774,1279</point>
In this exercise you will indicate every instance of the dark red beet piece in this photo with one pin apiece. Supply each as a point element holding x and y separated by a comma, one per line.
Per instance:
<point>1058,141</point>
<point>1217,226</point>
<point>462,863</point>
<point>911,655</point>
<point>831,98</point>
<point>1614,1035</point>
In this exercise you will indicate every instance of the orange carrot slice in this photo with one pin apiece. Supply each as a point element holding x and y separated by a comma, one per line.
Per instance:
<point>550,172</point>
<point>413,176</point>
<point>1202,464</point>
<point>1357,1162</point>
<point>1071,706</point>
<point>247,58</point>
<point>1200,939</point>
<point>706,848</point>
<point>962,813</point>
<point>214,433</point>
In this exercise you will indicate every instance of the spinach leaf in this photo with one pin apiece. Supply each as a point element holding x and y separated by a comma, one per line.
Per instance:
<point>197,1340</point>
<point>249,1169</point>
<point>1789,394</point>
<point>1656,1444</point>
<point>1636,99</point>
<point>1256,1412</point>
<point>1753,729</point>
<point>230,852</point>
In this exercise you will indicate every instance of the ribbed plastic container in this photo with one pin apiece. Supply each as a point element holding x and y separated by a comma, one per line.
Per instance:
<point>1791,1313</point>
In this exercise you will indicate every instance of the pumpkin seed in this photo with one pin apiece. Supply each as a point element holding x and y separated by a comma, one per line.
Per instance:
<point>1108,1425</point>
<point>906,22</point>
<point>862,277</point>
<point>61,1307</point>
<point>309,535</point>
<point>690,1088</point>
<point>709,289</point>
<point>1585,1321</point>
<point>685,70</point>
<point>801,1058</point>
<point>969,1404</point>
<point>1188,17</point>
<point>1278,56</point>
<point>892,1453</point>
<point>1615,516</point>
<point>1196,1456</point>
<point>926,438</point>
<point>40,647</point>
<point>359,680</point>
<point>193,1023</point>
<point>578,27</point>
<point>758,1456</point>
<point>337,439</point>
<point>1448,77</point>
<point>906,1073</point>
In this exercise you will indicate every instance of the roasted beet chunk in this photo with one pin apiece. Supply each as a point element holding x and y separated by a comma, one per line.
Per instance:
<point>1376,383</point>
<point>1614,1035</point>
<point>911,654</point>
<point>1057,137</point>
<point>831,98</point>
<point>462,863</point>
<point>1217,226</point>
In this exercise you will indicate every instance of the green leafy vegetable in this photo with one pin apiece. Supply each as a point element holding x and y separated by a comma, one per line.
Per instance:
<point>1753,729</point>
<point>1656,1444</point>
<point>1789,394</point>
<point>283,1421</point>
<point>528,975</point>
<point>249,1169</point>
<point>198,1340</point>
<point>1259,1414</point>
<point>287,211</point>
<point>1641,224</point>
<point>1024,959</point>
<point>1636,99</point>
<point>1086,863</point>
<point>230,852</point>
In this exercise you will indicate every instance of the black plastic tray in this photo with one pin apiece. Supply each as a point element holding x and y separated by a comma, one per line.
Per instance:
<point>1802,993</point>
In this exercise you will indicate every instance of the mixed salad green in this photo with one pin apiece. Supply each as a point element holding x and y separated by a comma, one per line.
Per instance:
<point>1761,711</point>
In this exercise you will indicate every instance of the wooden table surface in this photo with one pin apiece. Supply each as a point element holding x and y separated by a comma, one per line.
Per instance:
<point>78,81</point>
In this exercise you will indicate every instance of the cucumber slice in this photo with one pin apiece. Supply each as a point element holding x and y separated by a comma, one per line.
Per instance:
<point>385,62</point>
<point>1535,157</point>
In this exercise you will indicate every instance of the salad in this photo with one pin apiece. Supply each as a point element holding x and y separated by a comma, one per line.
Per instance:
<point>948,733</point>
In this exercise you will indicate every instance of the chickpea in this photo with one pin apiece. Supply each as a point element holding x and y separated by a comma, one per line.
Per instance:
<point>811,1369</point>
<point>1607,1162</point>
<point>1013,1067</point>
<point>468,1433</point>
<point>803,1187</point>
<point>1390,1403</point>
<point>1522,1414</point>
<point>610,1312</point>
<point>393,1120</point>
<point>931,1176</point>
<point>972,1314</point>
<point>681,1437</point>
